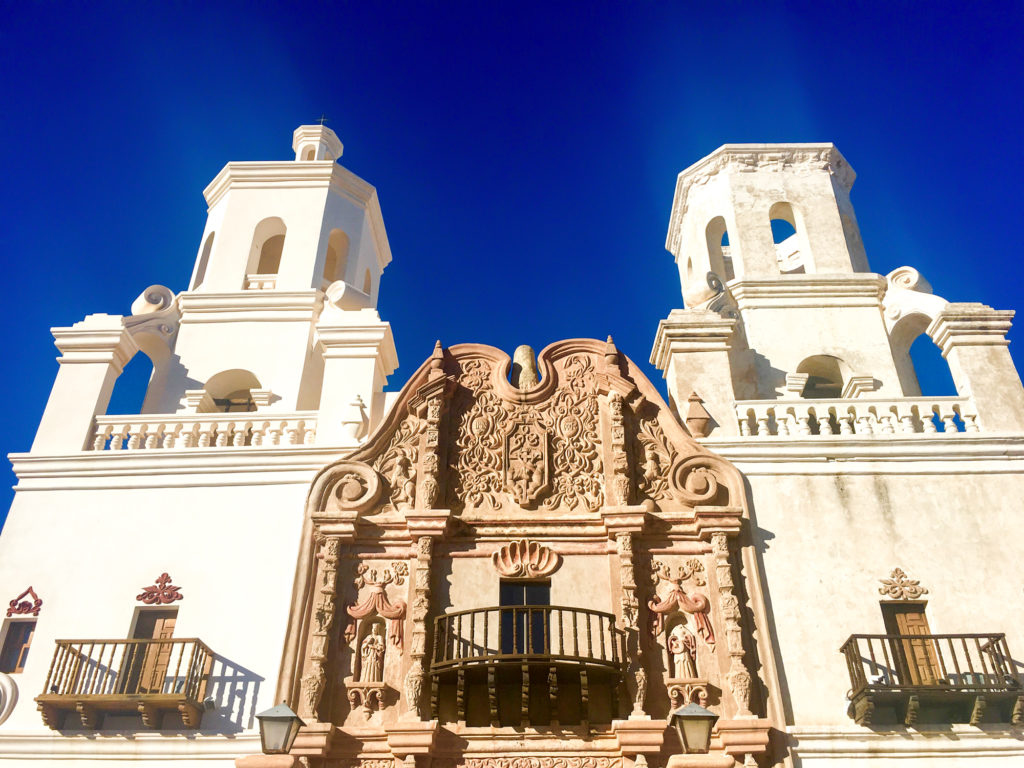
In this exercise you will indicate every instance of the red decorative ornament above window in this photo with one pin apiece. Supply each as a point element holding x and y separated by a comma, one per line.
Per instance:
<point>162,593</point>
<point>22,607</point>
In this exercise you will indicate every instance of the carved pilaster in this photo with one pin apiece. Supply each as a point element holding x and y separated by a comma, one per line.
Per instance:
<point>420,609</point>
<point>323,619</point>
<point>620,459</point>
<point>738,676</point>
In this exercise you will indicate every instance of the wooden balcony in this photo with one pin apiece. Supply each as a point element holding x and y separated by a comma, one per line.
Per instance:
<point>934,679</point>
<point>147,677</point>
<point>521,657</point>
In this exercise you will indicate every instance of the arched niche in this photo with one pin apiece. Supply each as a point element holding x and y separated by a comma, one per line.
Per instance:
<point>826,376</point>
<point>336,259</point>
<point>267,247</point>
<point>716,235</point>
<point>230,391</point>
<point>918,359</point>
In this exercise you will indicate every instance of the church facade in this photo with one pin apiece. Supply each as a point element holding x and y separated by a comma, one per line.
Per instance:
<point>533,561</point>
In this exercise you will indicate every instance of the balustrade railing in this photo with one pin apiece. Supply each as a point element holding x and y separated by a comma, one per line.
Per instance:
<point>204,430</point>
<point>260,282</point>
<point>546,633</point>
<point>973,662</point>
<point>129,668</point>
<point>856,417</point>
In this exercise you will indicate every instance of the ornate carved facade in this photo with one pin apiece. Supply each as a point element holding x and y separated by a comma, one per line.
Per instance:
<point>577,573</point>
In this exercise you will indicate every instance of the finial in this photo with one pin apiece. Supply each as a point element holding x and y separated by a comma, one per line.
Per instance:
<point>323,119</point>
<point>437,360</point>
<point>524,368</point>
<point>697,416</point>
<point>611,353</point>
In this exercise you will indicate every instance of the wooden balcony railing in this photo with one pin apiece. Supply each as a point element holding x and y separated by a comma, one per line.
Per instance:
<point>148,677</point>
<point>543,633</point>
<point>972,677</point>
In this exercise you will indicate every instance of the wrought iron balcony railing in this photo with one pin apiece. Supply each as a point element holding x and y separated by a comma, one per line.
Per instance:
<point>542,633</point>
<point>970,677</point>
<point>148,677</point>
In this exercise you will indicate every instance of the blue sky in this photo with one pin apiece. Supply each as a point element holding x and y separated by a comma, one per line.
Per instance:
<point>524,154</point>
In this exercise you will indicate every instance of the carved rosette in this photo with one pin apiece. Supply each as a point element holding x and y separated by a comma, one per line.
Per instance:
<point>738,675</point>
<point>323,618</point>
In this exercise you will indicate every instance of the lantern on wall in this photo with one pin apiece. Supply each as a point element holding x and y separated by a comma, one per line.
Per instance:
<point>693,723</point>
<point>278,728</point>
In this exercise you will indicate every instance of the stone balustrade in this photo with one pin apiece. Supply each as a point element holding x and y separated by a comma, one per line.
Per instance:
<point>260,282</point>
<point>856,417</point>
<point>203,430</point>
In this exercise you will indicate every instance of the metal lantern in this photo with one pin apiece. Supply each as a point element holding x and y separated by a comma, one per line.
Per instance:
<point>278,728</point>
<point>694,723</point>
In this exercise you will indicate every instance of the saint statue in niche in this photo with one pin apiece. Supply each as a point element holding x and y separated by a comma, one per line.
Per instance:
<point>372,652</point>
<point>403,483</point>
<point>682,646</point>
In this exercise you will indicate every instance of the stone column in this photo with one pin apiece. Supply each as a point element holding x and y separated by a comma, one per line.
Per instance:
<point>738,676</point>
<point>692,350</point>
<point>972,338</point>
<point>94,351</point>
<point>358,359</point>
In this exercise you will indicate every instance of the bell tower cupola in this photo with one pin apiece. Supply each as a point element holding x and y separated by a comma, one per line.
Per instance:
<point>316,142</point>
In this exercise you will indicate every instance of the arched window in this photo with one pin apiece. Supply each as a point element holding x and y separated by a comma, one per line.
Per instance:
<point>270,256</point>
<point>719,254</point>
<point>310,153</point>
<point>230,391</point>
<point>204,260</point>
<point>789,250</point>
<point>826,375</point>
<point>337,256</point>
<point>919,362</point>
<point>367,283</point>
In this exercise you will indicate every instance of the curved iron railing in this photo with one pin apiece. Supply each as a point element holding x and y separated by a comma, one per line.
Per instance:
<point>524,633</point>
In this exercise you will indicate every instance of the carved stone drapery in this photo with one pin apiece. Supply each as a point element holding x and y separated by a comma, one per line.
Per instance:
<point>677,599</point>
<point>739,677</point>
<point>323,618</point>
<point>376,601</point>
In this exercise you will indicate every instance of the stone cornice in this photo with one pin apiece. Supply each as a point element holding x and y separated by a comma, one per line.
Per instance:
<point>970,324</point>
<point>315,174</point>
<point>862,289</point>
<point>746,158</point>
<point>202,307</point>
<point>173,468</point>
<point>691,330</point>
<point>877,454</point>
<point>355,341</point>
<point>98,338</point>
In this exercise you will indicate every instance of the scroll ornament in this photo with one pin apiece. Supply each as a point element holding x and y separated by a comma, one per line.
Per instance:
<point>376,602</point>
<point>524,559</point>
<point>900,587</point>
<point>161,593</point>
<point>21,607</point>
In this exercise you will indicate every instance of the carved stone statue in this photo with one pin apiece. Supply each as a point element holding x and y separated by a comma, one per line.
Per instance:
<point>403,484</point>
<point>372,652</point>
<point>682,646</point>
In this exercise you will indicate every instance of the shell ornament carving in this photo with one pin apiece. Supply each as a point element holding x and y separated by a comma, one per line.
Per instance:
<point>524,559</point>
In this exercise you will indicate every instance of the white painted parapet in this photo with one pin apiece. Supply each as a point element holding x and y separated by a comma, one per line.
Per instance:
<point>94,351</point>
<point>973,340</point>
<point>856,417</point>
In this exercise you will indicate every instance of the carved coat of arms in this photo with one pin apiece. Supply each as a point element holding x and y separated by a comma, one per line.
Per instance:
<point>526,463</point>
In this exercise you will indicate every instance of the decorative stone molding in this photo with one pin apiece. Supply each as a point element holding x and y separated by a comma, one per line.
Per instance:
<point>524,559</point>
<point>19,606</point>
<point>161,593</point>
<point>532,761</point>
<point>901,587</point>
<point>682,691</point>
<point>154,320</point>
<point>857,385</point>
<point>367,696</point>
<point>970,324</point>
